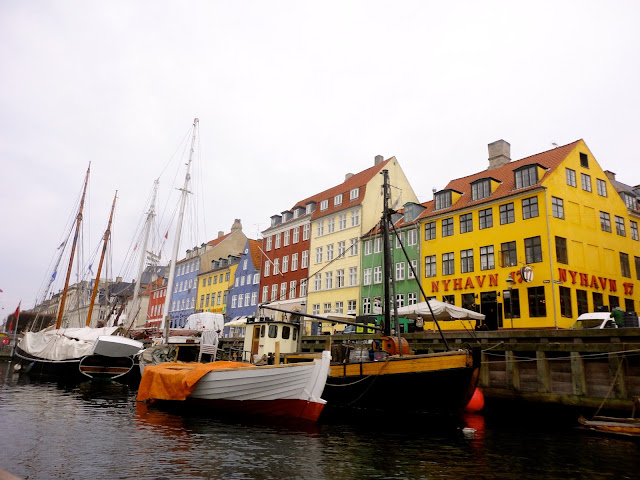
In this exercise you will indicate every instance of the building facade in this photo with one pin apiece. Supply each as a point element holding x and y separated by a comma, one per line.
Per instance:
<point>246,285</point>
<point>533,242</point>
<point>214,285</point>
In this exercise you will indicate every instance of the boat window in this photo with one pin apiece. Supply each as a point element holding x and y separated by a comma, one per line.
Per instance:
<point>286,331</point>
<point>273,331</point>
<point>295,333</point>
<point>262,331</point>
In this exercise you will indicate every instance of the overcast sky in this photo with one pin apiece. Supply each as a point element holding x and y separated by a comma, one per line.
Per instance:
<point>291,95</point>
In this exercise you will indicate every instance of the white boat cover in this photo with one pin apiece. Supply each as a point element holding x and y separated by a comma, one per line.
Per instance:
<point>442,311</point>
<point>63,343</point>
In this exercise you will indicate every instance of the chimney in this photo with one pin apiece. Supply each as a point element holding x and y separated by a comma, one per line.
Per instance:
<point>348,176</point>
<point>378,160</point>
<point>610,175</point>
<point>499,154</point>
<point>237,226</point>
<point>220,233</point>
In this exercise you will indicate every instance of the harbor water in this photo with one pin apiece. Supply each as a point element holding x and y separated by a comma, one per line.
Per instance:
<point>99,431</point>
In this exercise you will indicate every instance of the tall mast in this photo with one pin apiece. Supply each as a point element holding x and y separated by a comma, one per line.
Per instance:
<point>176,241</point>
<point>104,251</point>
<point>386,255</point>
<point>150,215</point>
<point>73,250</point>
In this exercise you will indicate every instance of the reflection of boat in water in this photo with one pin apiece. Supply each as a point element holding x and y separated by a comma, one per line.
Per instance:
<point>71,353</point>
<point>380,374</point>
<point>629,427</point>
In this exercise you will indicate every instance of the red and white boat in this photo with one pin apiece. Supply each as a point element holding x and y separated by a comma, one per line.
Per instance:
<point>288,390</point>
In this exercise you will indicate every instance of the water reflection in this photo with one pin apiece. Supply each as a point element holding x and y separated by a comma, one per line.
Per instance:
<point>96,431</point>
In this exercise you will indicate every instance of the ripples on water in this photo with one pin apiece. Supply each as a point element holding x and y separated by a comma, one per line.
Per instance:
<point>98,431</point>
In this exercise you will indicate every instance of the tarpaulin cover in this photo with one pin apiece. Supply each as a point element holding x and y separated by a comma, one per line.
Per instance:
<point>63,343</point>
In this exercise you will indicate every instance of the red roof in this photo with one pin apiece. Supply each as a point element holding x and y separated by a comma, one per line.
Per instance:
<point>550,160</point>
<point>256,253</point>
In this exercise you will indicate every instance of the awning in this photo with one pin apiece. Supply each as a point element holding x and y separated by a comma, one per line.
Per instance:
<point>237,322</point>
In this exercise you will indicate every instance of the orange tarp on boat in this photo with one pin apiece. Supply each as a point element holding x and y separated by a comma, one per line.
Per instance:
<point>175,381</point>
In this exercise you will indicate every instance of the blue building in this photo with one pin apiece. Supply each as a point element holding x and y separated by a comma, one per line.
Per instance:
<point>185,287</point>
<point>246,285</point>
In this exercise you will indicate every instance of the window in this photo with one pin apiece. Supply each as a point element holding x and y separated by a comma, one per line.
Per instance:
<point>355,217</point>
<point>629,200</point>
<point>329,252</point>
<point>400,269</point>
<point>331,225</point>
<point>633,226</point>
<point>285,241</point>
<point>487,259</point>
<point>294,262</point>
<point>303,287</point>
<point>276,266</point>
<point>598,302</point>
<point>265,294</point>
<point>339,307</point>
<point>537,303</point>
<point>399,300</point>
<point>353,276</point>
<point>605,222</point>
<point>399,239</point>
<point>507,214</point>
<point>296,234</point>
<point>353,246</point>
<point>377,274</point>
<point>268,246</point>
<point>614,302</point>
<point>485,218</point>
<point>583,306</point>
<point>340,278</point>
<point>274,292</point>
<point>315,309</point>
<point>480,189</point>
<point>624,265</point>
<point>601,186</point>
<point>430,266</point>
<point>637,261</point>
<point>367,247</point>
<point>320,228</point>
<point>234,301</point>
<point>466,223</point>
<point>466,261</point>
<point>526,176</point>
<point>317,282</point>
<point>305,231</point>
<point>584,160</point>
<point>342,221</point>
<point>443,200</point>
<point>337,200</point>
<point>448,265</point>
<point>447,227</point>
<point>342,246</point>
<point>509,254</point>
<point>412,237</point>
<point>292,289</point>
<point>450,299</point>
<point>366,305</point>
<point>354,194</point>
<point>533,250</point>
<point>586,182</point>
<point>565,302</point>
<point>529,207</point>
<point>571,177</point>
<point>277,236</point>
<point>318,254</point>
<point>305,259</point>
<point>351,307</point>
<point>273,331</point>
<point>412,298</point>
<point>414,264</point>
<point>377,245</point>
<point>620,226</point>
<point>366,279</point>
<point>285,264</point>
<point>254,298</point>
<point>557,207</point>
<point>561,250</point>
<point>430,230</point>
<point>511,303</point>
<point>240,301</point>
<point>324,204</point>
<point>256,278</point>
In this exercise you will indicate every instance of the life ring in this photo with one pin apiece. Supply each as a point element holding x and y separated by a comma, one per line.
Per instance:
<point>5,341</point>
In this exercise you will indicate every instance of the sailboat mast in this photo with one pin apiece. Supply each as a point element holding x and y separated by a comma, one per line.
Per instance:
<point>150,215</point>
<point>63,300</point>
<point>176,241</point>
<point>386,255</point>
<point>107,233</point>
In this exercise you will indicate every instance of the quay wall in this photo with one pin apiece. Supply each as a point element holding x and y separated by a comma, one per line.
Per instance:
<point>581,368</point>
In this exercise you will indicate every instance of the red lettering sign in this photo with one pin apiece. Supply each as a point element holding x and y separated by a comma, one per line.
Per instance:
<point>493,280</point>
<point>457,284</point>
<point>434,286</point>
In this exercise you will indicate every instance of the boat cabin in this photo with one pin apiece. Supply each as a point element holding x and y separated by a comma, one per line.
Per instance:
<point>262,335</point>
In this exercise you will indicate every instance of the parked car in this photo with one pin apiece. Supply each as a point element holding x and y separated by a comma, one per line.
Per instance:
<point>597,320</point>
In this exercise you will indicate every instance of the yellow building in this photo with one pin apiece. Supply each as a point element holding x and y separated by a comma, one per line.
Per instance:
<point>532,243</point>
<point>214,285</point>
<point>342,215</point>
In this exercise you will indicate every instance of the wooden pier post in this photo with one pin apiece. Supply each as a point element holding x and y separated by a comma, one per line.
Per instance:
<point>544,373</point>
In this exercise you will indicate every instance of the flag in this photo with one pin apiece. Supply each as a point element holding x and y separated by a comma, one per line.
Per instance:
<point>0,290</point>
<point>166,235</point>
<point>17,310</point>
<point>15,316</point>
<point>53,277</point>
<point>90,268</point>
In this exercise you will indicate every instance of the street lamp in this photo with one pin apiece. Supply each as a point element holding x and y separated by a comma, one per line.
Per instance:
<point>510,282</point>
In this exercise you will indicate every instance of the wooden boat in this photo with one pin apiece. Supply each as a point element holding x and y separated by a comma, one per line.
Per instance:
<point>629,427</point>
<point>384,373</point>
<point>290,391</point>
<point>70,353</point>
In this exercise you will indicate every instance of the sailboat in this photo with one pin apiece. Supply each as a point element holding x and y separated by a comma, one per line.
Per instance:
<point>385,374</point>
<point>290,391</point>
<point>76,353</point>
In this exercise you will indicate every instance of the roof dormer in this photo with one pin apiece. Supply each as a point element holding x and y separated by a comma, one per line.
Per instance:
<point>527,175</point>
<point>446,198</point>
<point>483,188</point>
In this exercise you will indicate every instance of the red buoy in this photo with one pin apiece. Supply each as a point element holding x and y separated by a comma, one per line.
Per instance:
<point>476,404</point>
